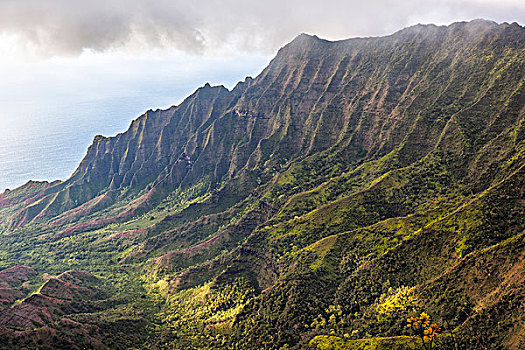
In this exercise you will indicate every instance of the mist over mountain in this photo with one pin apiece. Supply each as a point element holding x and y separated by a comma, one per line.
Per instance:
<point>58,27</point>
<point>349,186</point>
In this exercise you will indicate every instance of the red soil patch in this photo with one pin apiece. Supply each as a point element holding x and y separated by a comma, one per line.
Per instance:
<point>129,233</point>
<point>54,300</point>
<point>85,209</point>
<point>59,289</point>
<point>9,295</point>
<point>35,310</point>
<point>165,260</point>
<point>17,274</point>
<point>86,226</point>
<point>4,202</point>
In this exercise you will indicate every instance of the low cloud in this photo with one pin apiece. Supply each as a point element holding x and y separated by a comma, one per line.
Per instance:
<point>65,27</point>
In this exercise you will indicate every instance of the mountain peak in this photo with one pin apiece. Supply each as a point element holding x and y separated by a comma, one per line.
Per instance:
<point>303,44</point>
<point>208,86</point>
<point>305,38</point>
<point>481,22</point>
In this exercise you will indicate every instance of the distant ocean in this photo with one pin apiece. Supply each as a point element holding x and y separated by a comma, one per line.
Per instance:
<point>46,138</point>
<point>47,142</point>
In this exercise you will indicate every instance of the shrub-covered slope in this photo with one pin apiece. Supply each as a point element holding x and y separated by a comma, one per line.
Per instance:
<point>350,185</point>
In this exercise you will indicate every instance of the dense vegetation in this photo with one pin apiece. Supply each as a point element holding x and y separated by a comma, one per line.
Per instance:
<point>351,186</point>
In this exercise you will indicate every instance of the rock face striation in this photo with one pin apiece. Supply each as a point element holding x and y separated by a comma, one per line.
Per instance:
<point>310,198</point>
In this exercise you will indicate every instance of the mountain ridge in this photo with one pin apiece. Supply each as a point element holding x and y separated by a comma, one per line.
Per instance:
<point>303,201</point>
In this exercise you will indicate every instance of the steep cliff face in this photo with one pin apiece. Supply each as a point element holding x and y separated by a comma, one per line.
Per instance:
<point>301,201</point>
<point>364,97</point>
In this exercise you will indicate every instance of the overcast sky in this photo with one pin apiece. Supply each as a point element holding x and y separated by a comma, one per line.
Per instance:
<point>67,27</point>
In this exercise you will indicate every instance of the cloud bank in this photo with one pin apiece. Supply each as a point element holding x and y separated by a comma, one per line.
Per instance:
<point>66,27</point>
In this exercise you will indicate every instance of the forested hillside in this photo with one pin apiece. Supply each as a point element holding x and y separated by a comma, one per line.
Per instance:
<point>348,187</point>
